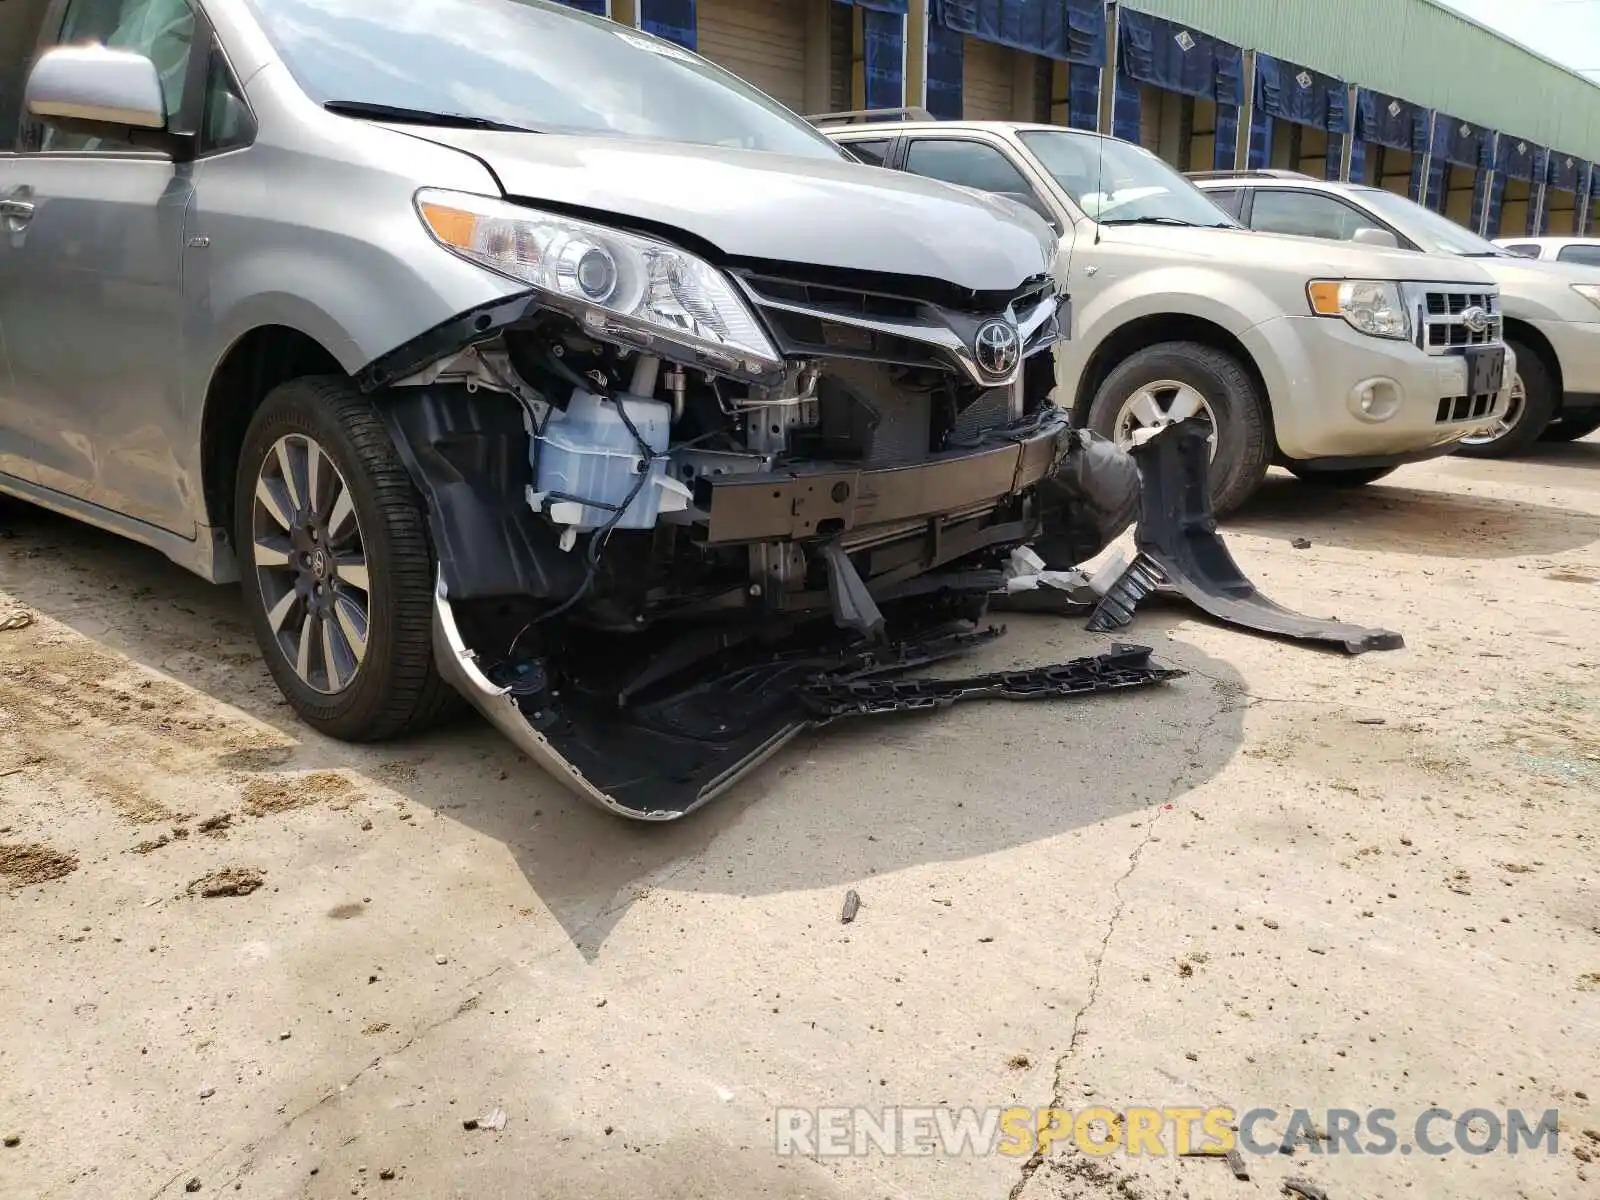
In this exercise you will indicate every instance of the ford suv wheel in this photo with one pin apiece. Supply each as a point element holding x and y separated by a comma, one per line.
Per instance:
<point>336,568</point>
<point>1532,404</point>
<point>1170,382</point>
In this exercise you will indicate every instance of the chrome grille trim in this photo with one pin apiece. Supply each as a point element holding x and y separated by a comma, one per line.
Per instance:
<point>1033,311</point>
<point>1437,311</point>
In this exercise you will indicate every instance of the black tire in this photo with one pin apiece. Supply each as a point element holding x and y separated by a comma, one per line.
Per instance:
<point>1244,438</point>
<point>1572,426</point>
<point>1354,477</point>
<point>397,689</point>
<point>1538,407</point>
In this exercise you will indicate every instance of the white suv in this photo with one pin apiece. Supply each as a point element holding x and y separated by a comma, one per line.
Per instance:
<point>1338,362</point>
<point>1585,251</point>
<point>1552,309</point>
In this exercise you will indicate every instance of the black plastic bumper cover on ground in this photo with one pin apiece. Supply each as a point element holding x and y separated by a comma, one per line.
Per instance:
<point>1179,546</point>
<point>662,753</point>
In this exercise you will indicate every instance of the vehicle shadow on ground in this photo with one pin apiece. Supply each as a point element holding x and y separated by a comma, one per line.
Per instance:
<point>1389,516</point>
<point>834,807</point>
<point>1578,462</point>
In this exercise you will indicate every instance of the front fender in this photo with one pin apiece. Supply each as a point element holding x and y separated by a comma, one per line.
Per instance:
<point>357,300</point>
<point>1225,300</point>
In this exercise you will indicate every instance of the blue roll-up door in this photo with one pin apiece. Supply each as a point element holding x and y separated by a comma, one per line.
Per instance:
<point>670,19</point>
<point>884,54</point>
<point>946,64</point>
<point>1391,138</point>
<point>1227,137</point>
<point>1517,161</point>
<point>1564,171</point>
<point>1561,193</point>
<point>1083,96</point>
<point>1300,95</point>
<point>1460,151</point>
<point>963,33</point>
<point>1162,59</point>
<point>1315,108</point>
<point>1260,152</point>
<point>1067,30</point>
<point>1126,109</point>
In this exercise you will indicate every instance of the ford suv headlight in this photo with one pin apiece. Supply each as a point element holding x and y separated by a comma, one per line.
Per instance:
<point>1370,306</point>
<point>1589,291</point>
<point>611,281</point>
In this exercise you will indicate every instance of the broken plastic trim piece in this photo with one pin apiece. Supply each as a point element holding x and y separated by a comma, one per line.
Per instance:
<point>851,602</point>
<point>1123,666</point>
<point>1179,545</point>
<point>447,338</point>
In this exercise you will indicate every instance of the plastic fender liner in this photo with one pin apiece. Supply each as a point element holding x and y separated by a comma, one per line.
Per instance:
<point>1179,545</point>
<point>467,453</point>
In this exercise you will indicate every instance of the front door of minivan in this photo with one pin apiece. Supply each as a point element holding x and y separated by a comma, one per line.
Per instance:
<point>20,22</point>
<point>89,286</point>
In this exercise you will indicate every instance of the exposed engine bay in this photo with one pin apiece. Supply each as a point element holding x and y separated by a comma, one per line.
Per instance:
<point>645,546</point>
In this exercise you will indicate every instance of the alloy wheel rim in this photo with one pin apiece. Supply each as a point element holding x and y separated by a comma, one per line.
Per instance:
<point>311,564</point>
<point>1154,406</point>
<point>1508,422</point>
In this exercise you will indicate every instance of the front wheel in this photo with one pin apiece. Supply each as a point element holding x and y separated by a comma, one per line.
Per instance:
<point>1354,477</point>
<point>1572,427</point>
<point>1167,383</point>
<point>336,566</point>
<point>1532,404</point>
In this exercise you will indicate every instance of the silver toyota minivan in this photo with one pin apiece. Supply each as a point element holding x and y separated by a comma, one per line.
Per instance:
<point>501,349</point>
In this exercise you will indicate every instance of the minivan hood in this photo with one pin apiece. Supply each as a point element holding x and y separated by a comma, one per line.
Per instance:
<point>1308,257</point>
<point>776,207</point>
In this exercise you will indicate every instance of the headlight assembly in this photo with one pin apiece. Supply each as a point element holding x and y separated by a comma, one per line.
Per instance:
<point>1371,306</point>
<point>633,286</point>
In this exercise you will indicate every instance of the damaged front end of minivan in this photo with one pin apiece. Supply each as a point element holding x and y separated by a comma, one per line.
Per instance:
<point>665,495</point>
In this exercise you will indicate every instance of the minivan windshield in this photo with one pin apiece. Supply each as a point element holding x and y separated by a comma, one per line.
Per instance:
<point>1119,183</point>
<point>1427,228</point>
<point>524,64</point>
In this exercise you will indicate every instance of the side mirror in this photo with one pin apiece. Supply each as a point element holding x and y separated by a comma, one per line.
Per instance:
<point>95,91</point>
<point>1369,236</point>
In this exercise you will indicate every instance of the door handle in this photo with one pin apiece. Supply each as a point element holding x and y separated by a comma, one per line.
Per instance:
<point>16,210</point>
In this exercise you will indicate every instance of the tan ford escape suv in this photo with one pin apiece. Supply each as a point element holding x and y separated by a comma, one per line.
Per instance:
<point>1320,357</point>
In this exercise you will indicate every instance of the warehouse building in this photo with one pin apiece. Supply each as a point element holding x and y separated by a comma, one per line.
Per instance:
<point>1407,95</point>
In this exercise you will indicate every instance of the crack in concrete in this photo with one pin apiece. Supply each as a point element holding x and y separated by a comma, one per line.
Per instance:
<point>1058,1092</point>
<point>251,1148</point>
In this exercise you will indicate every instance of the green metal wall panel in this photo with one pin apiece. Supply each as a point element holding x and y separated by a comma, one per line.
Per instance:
<point>1417,49</point>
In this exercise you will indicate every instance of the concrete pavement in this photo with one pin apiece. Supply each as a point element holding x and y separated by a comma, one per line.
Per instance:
<point>1289,880</point>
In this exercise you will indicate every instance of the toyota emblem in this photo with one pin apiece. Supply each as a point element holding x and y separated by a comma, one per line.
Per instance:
<point>1476,319</point>
<point>997,347</point>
